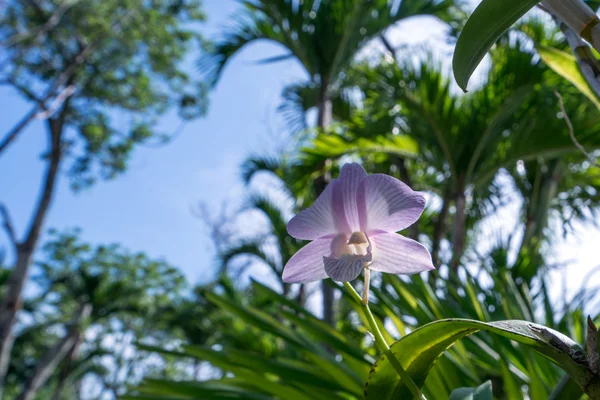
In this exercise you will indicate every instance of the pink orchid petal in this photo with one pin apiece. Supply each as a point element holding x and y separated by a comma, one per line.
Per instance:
<point>307,264</point>
<point>395,254</point>
<point>387,205</point>
<point>346,191</point>
<point>319,220</point>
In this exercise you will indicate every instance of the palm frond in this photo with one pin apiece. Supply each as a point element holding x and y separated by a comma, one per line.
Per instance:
<point>249,248</point>
<point>323,35</point>
<point>260,163</point>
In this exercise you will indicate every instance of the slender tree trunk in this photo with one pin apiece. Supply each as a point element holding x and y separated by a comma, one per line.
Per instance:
<point>323,121</point>
<point>71,356</point>
<point>197,370</point>
<point>55,355</point>
<point>537,220</point>
<point>460,221</point>
<point>301,299</point>
<point>439,229</point>
<point>11,303</point>
<point>325,114</point>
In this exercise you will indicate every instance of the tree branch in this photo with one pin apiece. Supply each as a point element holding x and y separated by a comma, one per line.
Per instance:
<point>388,46</point>
<point>25,91</point>
<point>39,110</point>
<point>55,355</point>
<point>572,132</point>
<point>40,30</point>
<point>18,128</point>
<point>48,189</point>
<point>8,226</point>
<point>57,102</point>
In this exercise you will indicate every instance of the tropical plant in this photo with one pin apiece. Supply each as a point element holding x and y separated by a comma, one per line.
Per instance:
<point>466,151</point>
<point>462,143</point>
<point>324,37</point>
<point>302,368</point>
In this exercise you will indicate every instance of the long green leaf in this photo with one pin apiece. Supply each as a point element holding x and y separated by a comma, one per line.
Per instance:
<point>566,389</point>
<point>487,23</point>
<point>209,390</point>
<point>482,392</point>
<point>566,66</point>
<point>419,351</point>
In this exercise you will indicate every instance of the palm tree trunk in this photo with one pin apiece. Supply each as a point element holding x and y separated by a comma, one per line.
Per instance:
<point>55,355</point>
<point>324,116</point>
<point>11,303</point>
<point>323,121</point>
<point>460,221</point>
<point>301,298</point>
<point>67,369</point>
<point>537,221</point>
<point>439,229</point>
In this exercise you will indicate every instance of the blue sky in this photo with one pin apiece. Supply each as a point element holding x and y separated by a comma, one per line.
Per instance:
<point>150,207</point>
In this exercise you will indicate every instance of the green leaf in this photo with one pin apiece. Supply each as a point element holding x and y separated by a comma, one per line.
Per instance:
<point>482,392</point>
<point>419,351</point>
<point>209,390</point>
<point>337,146</point>
<point>566,389</point>
<point>487,23</point>
<point>566,66</point>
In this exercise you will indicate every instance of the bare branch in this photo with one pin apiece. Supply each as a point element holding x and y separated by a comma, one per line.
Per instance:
<point>57,102</point>
<point>8,226</point>
<point>388,46</point>
<point>18,128</point>
<point>26,91</point>
<point>571,130</point>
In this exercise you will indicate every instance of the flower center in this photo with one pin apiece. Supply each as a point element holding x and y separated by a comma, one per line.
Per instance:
<point>357,244</point>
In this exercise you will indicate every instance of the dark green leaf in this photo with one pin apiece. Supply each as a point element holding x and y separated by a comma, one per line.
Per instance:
<point>419,351</point>
<point>487,23</point>
<point>482,392</point>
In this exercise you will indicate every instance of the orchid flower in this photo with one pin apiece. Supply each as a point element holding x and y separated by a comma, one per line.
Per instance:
<point>353,225</point>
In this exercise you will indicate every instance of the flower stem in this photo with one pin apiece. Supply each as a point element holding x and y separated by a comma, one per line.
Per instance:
<point>383,346</point>
<point>365,297</point>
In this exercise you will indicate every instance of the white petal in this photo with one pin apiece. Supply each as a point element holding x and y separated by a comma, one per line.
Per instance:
<point>395,254</point>
<point>387,205</point>
<point>307,264</point>
<point>319,220</point>
<point>346,193</point>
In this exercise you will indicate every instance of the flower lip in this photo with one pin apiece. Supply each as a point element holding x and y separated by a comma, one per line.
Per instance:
<point>347,267</point>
